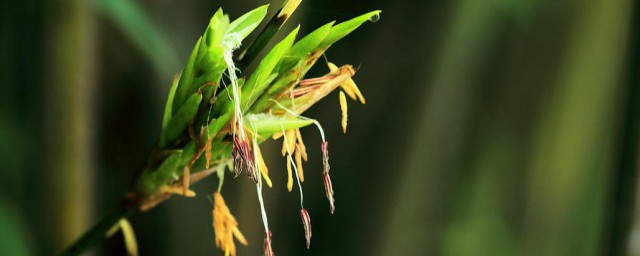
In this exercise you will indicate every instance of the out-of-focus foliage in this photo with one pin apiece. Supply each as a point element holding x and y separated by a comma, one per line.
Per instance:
<point>12,234</point>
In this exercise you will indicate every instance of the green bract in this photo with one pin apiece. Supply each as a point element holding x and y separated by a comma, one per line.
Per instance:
<point>267,124</point>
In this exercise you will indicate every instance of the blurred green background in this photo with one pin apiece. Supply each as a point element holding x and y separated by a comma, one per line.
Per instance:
<point>495,127</point>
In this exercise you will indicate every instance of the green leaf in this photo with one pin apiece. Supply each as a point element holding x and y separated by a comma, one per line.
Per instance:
<point>217,124</point>
<point>180,121</point>
<point>310,41</point>
<point>168,170</point>
<point>304,46</point>
<point>150,180</point>
<point>186,78</point>
<point>205,63</point>
<point>210,60</point>
<point>168,106</point>
<point>245,24</point>
<point>255,84</point>
<point>343,29</point>
<point>223,98</point>
<point>217,28</point>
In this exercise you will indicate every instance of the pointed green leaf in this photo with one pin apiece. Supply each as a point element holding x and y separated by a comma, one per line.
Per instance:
<point>245,24</point>
<point>217,28</point>
<point>204,65</point>
<point>151,180</point>
<point>307,44</point>
<point>304,46</point>
<point>168,170</point>
<point>181,119</point>
<point>186,78</point>
<point>255,84</point>
<point>343,29</point>
<point>169,105</point>
<point>268,124</point>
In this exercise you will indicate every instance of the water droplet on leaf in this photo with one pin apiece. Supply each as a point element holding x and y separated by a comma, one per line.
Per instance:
<point>374,18</point>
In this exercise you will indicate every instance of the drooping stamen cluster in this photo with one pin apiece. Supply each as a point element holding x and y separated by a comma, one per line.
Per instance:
<point>241,152</point>
<point>260,164</point>
<point>225,226</point>
<point>328,187</point>
<point>293,145</point>
<point>348,86</point>
<point>289,141</point>
<point>243,158</point>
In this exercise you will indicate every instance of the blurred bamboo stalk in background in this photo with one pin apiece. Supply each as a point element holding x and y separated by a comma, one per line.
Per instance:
<point>441,130</point>
<point>71,57</point>
<point>573,150</point>
<point>565,168</point>
<point>621,231</point>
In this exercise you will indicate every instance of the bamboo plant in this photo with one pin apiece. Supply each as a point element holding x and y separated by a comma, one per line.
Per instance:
<point>217,113</point>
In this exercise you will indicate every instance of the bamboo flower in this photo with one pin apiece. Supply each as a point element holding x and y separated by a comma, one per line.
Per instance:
<point>211,124</point>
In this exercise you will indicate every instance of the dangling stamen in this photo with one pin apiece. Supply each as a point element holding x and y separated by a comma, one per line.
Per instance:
<point>262,167</point>
<point>299,163</point>
<point>290,163</point>
<point>301,147</point>
<point>207,153</point>
<point>186,179</point>
<point>289,142</point>
<point>306,222</point>
<point>343,107</point>
<point>325,175</point>
<point>267,244</point>
<point>289,176</point>
<point>328,187</point>
<point>325,156</point>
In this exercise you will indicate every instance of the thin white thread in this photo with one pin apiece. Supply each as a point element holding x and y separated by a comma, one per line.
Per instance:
<point>303,117</point>
<point>262,210</point>
<point>259,183</point>
<point>294,166</point>
<point>228,58</point>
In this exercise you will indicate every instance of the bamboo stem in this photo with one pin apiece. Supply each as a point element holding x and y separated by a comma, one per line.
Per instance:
<point>99,231</point>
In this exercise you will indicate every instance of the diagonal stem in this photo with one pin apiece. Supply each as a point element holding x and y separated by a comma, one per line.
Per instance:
<point>99,231</point>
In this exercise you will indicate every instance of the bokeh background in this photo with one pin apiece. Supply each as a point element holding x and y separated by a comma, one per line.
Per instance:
<point>494,127</point>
